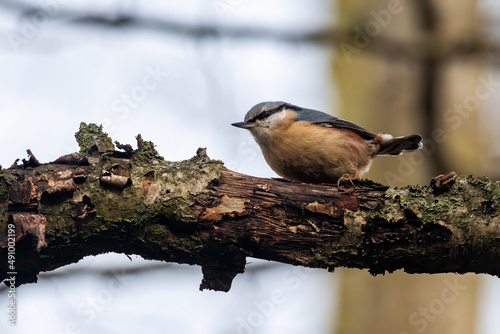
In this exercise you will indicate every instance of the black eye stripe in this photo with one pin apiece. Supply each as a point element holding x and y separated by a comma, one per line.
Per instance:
<point>266,114</point>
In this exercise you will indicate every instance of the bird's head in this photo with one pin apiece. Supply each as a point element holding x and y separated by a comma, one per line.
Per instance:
<point>265,117</point>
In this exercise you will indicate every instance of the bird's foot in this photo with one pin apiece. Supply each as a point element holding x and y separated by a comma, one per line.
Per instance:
<point>346,178</point>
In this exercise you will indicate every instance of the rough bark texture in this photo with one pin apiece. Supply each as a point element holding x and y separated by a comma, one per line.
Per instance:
<point>198,212</point>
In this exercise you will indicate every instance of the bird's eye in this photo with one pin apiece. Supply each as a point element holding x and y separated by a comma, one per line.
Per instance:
<point>264,114</point>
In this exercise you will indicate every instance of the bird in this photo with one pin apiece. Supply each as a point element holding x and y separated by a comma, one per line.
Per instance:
<point>311,146</point>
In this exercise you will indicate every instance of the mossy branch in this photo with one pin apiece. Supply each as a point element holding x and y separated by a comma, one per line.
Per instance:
<point>197,212</point>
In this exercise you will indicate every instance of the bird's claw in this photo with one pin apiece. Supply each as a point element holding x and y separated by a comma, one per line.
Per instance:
<point>344,179</point>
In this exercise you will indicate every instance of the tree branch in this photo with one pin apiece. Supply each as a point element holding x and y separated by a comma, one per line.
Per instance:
<point>198,212</point>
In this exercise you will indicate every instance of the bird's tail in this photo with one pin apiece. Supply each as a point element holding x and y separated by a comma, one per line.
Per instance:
<point>388,145</point>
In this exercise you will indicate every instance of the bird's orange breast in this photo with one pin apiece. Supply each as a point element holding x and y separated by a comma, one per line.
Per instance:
<point>306,152</point>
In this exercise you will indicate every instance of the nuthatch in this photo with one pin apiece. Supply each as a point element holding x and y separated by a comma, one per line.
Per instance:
<point>310,146</point>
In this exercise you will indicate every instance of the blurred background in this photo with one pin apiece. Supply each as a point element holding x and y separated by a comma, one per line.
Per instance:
<point>180,72</point>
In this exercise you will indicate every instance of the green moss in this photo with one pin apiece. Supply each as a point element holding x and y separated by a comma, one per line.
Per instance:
<point>179,208</point>
<point>496,191</point>
<point>190,244</point>
<point>388,209</point>
<point>390,192</point>
<point>166,239</point>
<point>322,257</point>
<point>481,182</point>
<point>146,151</point>
<point>91,139</point>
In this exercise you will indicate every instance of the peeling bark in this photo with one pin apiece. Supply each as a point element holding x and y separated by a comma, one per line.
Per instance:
<point>198,212</point>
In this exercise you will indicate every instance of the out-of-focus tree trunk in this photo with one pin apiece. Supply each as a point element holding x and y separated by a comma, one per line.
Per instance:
<point>392,93</point>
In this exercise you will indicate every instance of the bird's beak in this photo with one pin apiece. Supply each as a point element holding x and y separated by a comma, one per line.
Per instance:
<point>244,125</point>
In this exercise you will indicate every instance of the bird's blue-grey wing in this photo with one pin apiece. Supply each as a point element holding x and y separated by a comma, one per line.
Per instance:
<point>323,119</point>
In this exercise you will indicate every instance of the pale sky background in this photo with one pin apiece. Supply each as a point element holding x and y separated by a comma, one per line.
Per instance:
<point>71,72</point>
